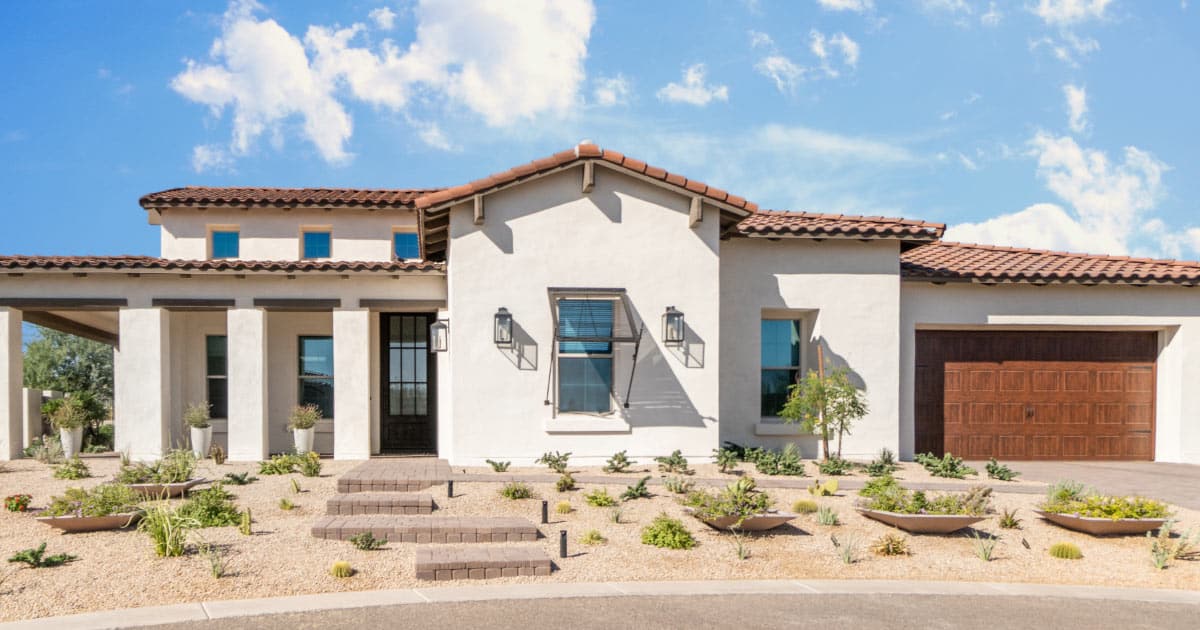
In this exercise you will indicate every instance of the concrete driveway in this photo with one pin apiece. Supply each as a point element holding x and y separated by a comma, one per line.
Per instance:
<point>1175,483</point>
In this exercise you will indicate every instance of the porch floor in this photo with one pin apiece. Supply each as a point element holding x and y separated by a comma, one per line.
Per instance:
<point>400,474</point>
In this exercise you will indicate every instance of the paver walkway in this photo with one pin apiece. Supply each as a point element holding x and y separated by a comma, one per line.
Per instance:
<point>1174,483</point>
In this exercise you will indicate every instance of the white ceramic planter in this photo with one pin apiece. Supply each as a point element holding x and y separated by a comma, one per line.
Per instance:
<point>303,439</point>
<point>72,441</point>
<point>201,441</point>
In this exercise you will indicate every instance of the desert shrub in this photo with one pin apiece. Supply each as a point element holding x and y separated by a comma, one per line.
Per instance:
<point>216,560</point>
<point>726,459</point>
<point>176,466</point>
<point>890,544</point>
<point>984,545</point>
<point>618,463</point>
<point>1115,508</point>
<point>310,464</point>
<point>196,415</point>
<point>827,489</point>
<point>674,463</point>
<point>614,514</point>
<point>563,507</point>
<point>593,537</point>
<point>1008,519</point>
<point>847,551</point>
<point>1164,550</point>
<point>36,558</point>
<point>805,506</point>
<point>498,466</point>
<point>46,449</point>
<point>677,485</point>
<point>883,464</point>
<point>600,498</point>
<point>834,466</point>
<point>211,507</point>
<point>1065,551</point>
<point>17,502</point>
<point>1066,491</point>
<point>555,461</point>
<point>740,499</point>
<point>974,502</point>
<point>217,454</point>
<point>516,490</point>
<point>947,466</point>
<point>341,569</point>
<point>102,500</point>
<point>827,516</point>
<point>996,470</point>
<point>565,483</point>
<point>668,533</point>
<point>296,486</point>
<point>785,462</point>
<point>282,464</point>
<point>167,528</point>
<point>72,469</point>
<point>240,479</point>
<point>637,490</point>
<point>367,542</point>
<point>879,485</point>
<point>286,504</point>
<point>304,417</point>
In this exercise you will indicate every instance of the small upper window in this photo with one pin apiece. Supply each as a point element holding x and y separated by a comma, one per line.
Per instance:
<point>317,244</point>
<point>405,245</point>
<point>224,244</point>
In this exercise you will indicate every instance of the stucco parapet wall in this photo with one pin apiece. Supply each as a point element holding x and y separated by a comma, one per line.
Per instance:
<point>151,265</point>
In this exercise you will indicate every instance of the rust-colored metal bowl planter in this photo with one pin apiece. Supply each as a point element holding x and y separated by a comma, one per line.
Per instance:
<point>165,490</point>
<point>73,524</point>
<point>922,523</point>
<point>756,523</point>
<point>1103,526</point>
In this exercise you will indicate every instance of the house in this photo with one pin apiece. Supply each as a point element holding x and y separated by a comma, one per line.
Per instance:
<point>590,303</point>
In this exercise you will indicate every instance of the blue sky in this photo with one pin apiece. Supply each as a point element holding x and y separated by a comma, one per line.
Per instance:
<point>1065,124</point>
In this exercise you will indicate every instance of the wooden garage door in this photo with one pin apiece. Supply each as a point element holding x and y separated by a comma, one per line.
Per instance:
<point>1036,395</point>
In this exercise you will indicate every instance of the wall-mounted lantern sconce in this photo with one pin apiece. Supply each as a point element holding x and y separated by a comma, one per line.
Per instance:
<point>673,327</point>
<point>504,328</point>
<point>439,335</point>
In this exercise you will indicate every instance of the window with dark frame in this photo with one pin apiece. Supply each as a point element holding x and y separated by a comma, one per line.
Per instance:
<point>781,354</point>
<point>316,373</point>
<point>217,375</point>
<point>585,368</point>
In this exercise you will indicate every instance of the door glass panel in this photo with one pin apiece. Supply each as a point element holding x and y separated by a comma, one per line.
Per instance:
<point>394,399</point>
<point>394,329</point>
<point>422,395</point>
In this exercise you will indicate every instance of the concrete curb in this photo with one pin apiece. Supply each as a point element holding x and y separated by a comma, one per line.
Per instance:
<point>229,609</point>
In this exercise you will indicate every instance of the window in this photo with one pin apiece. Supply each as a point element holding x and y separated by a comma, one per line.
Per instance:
<point>316,373</point>
<point>217,376</point>
<point>224,244</point>
<point>406,245</point>
<point>317,244</point>
<point>585,368</point>
<point>781,353</point>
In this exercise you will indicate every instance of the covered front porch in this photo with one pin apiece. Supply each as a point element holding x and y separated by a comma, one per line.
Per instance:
<point>252,344</point>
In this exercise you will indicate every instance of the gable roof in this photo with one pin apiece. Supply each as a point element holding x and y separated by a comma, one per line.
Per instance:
<point>151,264</point>
<point>782,224</point>
<point>989,264</point>
<point>282,197</point>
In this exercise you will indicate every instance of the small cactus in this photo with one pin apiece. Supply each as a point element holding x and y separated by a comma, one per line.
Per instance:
<point>286,505</point>
<point>805,506</point>
<point>341,569</point>
<point>295,486</point>
<point>218,455</point>
<point>244,526</point>
<point>1065,551</point>
<point>563,507</point>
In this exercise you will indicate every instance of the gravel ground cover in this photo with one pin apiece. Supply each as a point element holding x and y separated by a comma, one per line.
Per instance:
<point>119,569</point>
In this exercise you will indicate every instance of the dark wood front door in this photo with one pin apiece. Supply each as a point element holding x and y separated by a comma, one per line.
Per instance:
<point>1036,395</point>
<point>408,418</point>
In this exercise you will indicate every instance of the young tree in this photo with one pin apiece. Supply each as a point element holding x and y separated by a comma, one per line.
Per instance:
<point>825,406</point>
<point>63,362</point>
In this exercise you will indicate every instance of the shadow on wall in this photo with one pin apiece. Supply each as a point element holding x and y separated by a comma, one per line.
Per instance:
<point>524,353</point>
<point>834,360</point>
<point>691,352</point>
<point>496,225</point>
<point>657,397</point>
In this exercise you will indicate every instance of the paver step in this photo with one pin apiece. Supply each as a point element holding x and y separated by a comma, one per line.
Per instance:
<point>346,485</point>
<point>380,503</point>
<point>477,563</point>
<point>427,529</point>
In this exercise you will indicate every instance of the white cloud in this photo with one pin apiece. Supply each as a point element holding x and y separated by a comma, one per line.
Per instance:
<point>992,17</point>
<point>1070,49</point>
<point>1067,12</point>
<point>967,162</point>
<point>947,6</point>
<point>857,6</point>
<point>694,90</point>
<point>823,47</point>
<point>431,134</point>
<point>610,91</point>
<point>505,63</point>
<point>1108,201</point>
<point>384,18</point>
<point>210,158</point>
<point>1077,107</point>
<point>831,146</point>
<point>783,71</point>
<point>759,39</point>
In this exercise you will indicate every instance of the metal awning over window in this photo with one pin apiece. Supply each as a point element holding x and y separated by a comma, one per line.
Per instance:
<point>587,322</point>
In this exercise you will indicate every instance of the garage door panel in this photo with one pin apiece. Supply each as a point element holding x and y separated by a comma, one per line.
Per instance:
<point>1037,394</point>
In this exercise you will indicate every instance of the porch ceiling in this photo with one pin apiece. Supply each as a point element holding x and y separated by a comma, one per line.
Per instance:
<point>97,325</point>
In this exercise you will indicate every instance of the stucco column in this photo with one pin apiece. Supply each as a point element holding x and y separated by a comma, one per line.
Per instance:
<point>352,383</point>
<point>12,366</point>
<point>142,383</point>
<point>246,336</point>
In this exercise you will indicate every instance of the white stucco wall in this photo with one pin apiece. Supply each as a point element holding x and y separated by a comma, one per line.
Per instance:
<point>274,233</point>
<point>1174,312</point>
<point>624,234</point>
<point>848,295</point>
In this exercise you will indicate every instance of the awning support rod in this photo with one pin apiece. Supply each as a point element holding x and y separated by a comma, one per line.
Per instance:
<point>637,344</point>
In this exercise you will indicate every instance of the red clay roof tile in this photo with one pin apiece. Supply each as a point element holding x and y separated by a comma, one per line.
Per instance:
<point>993,264</point>
<point>781,224</point>
<point>282,197</point>
<point>150,263</point>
